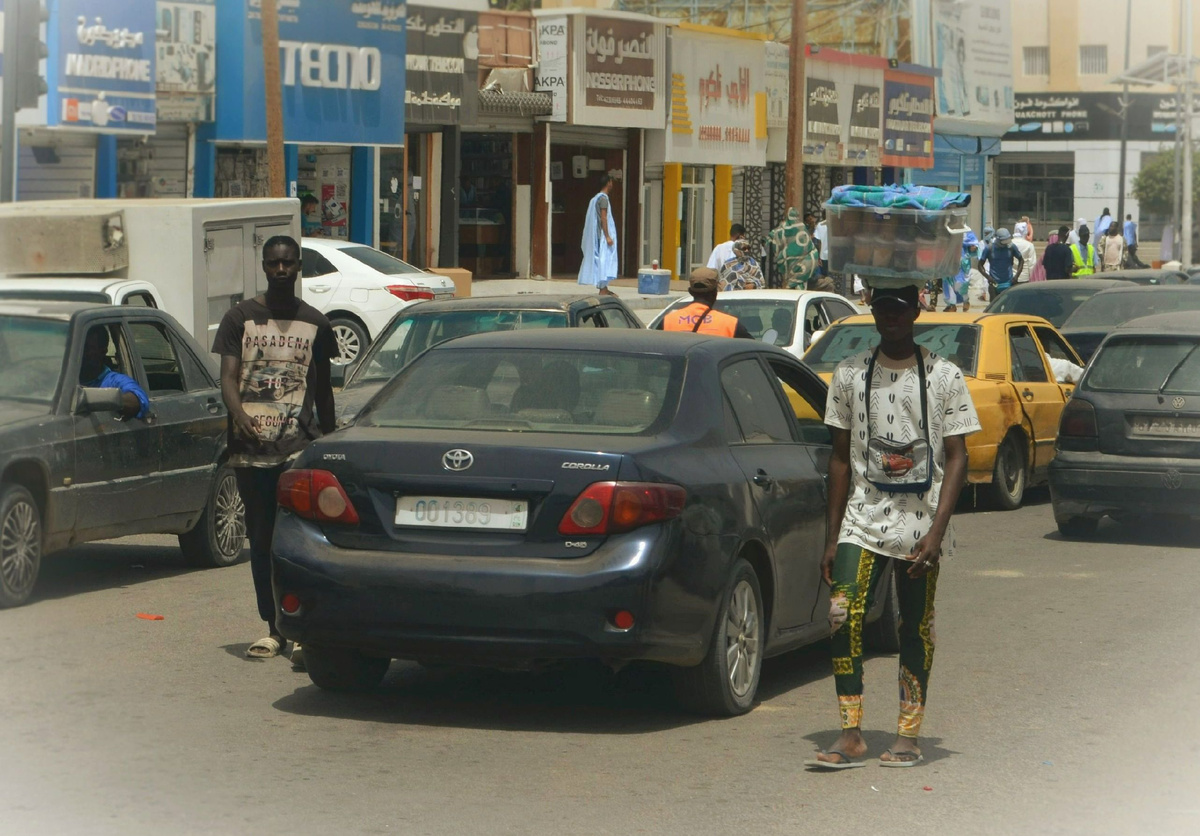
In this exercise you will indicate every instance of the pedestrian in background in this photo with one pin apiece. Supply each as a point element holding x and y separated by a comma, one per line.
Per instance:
<point>821,236</point>
<point>741,271</point>
<point>1131,243</point>
<point>1100,230</point>
<point>599,244</point>
<point>1028,254</point>
<point>796,259</point>
<point>1058,260</point>
<point>1001,263</point>
<point>897,468</point>
<point>1112,250</point>
<point>1073,236</point>
<point>957,291</point>
<point>724,251</point>
<point>1083,254</point>
<point>275,354</point>
<point>701,316</point>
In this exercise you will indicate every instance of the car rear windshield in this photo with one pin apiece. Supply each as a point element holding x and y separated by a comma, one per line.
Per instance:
<point>759,316</point>
<point>523,390</point>
<point>380,261</point>
<point>1146,364</point>
<point>410,334</point>
<point>1111,308</point>
<point>957,343</point>
<point>1053,304</point>
<point>31,358</point>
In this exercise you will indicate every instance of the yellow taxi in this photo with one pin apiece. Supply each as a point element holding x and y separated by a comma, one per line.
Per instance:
<point>1019,370</point>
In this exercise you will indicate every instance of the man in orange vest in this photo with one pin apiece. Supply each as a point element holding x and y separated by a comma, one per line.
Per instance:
<point>701,316</point>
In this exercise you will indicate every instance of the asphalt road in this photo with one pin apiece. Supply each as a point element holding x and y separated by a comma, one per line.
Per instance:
<point>1064,700</point>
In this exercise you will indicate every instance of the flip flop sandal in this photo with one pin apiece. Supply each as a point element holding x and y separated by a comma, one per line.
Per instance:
<point>267,648</point>
<point>908,761</point>
<point>844,763</point>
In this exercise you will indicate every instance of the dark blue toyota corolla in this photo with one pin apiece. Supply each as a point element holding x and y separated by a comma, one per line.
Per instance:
<point>514,499</point>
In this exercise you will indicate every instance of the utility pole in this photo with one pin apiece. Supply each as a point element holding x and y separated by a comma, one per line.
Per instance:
<point>1189,140</point>
<point>796,95</point>
<point>274,103</point>
<point>1124,120</point>
<point>8,116</point>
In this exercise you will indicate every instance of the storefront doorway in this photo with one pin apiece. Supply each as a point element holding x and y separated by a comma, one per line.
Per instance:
<point>391,201</point>
<point>696,221</point>
<point>575,174</point>
<point>1040,186</point>
<point>323,186</point>
<point>486,204</point>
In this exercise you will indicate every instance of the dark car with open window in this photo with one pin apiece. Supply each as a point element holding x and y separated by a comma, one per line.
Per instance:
<point>75,467</point>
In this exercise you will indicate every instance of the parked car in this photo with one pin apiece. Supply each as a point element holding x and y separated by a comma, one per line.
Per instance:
<point>1009,363</point>
<point>424,325</point>
<point>1096,317</point>
<point>360,289</point>
<point>1146,276</point>
<point>520,498</point>
<point>81,289</point>
<point>1129,442</point>
<point>1053,301</point>
<point>784,318</point>
<point>71,473</point>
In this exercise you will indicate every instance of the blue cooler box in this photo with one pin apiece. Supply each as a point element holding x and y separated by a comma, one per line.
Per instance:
<point>654,282</point>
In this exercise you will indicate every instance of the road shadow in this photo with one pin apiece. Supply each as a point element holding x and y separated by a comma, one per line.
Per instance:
<point>795,669</point>
<point>878,743</point>
<point>976,499</point>
<point>1171,532</point>
<point>109,565</point>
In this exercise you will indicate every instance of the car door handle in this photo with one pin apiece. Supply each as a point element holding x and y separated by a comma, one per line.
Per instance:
<point>320,288</point>
<point>1027,395</point>
<point>213,406</point>
<point>762,479</point>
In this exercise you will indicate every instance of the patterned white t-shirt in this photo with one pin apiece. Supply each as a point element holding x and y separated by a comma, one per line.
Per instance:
<point>883,522</point>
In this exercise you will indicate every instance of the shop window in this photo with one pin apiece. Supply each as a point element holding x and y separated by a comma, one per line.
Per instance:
<point>1093,59</point>
<point>1036,60</point>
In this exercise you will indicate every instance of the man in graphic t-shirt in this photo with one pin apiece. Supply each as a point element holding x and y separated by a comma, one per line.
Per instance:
<point>275,353</point>
<point>899,462</point>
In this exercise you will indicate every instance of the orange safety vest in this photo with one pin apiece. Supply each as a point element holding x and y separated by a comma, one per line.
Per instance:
<point>715,322</point>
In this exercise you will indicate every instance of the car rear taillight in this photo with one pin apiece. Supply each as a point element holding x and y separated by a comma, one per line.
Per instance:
<point>1077,429</point>
<point>409,292</point>
<point>316,495</point>
<point>613,507</point>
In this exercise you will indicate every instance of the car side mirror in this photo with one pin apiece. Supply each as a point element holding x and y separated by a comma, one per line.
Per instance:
<point>816,335</point>
<point>92,400</point>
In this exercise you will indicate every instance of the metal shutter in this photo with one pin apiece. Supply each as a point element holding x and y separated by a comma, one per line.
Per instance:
<point>66,168</point>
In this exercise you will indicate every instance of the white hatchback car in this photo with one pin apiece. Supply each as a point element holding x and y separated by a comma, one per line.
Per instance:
<point>360,289</point>
<point>785,318</point>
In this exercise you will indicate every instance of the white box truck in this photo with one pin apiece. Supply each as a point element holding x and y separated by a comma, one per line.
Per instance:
<point>202,255</point>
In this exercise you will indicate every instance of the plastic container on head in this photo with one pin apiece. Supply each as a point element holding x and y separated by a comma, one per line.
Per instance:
<point>895,247</point>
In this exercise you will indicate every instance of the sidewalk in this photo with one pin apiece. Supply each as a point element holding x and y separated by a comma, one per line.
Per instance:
<point>626,289</point>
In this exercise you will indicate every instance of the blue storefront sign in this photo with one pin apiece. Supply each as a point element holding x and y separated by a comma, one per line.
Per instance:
<point>957,156</point>
<point>341,67</point>
<point>101,65</point>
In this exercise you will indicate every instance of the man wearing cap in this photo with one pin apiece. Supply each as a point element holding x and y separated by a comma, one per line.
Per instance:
<point>701,316</point>
<point>899,463</point>
<point>1004,263</point>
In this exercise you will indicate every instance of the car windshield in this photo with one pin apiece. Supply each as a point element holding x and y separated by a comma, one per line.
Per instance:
<point>31,358</point>
<point>1146,364</point>
<point>759,316</point>
<point>957,343</point>
<point>410,334</point>
<point>379,261</point>
<point>523,390</point>
<point>1053,303</point>
<point>1112,308</point>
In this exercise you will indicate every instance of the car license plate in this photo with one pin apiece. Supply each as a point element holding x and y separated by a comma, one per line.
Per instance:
<point>1161,426</point>
<point>461,512</point>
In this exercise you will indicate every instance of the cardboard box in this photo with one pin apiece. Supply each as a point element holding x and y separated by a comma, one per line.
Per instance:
<point>460,277</point>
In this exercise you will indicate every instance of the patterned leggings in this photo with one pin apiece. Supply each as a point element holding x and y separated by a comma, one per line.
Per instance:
<point>855,575</point>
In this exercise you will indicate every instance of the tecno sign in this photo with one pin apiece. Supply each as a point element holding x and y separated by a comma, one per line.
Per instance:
<point>331,66</point>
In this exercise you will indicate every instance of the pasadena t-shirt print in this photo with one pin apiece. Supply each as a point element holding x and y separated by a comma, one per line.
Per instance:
<point>277,350</point>
<point>883,522</point>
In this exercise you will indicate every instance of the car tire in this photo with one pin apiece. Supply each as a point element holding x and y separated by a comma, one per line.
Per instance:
<point>714,687</point>
<point>20,545</point>
<point>883,634</point>
<point>1009,475</point>
<point>351,339</point>
<point>220,535</point>
<point>341,669</point>
<point>1077,527</point>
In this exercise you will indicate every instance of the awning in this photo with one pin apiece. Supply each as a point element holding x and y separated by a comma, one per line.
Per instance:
<point>502,102</point>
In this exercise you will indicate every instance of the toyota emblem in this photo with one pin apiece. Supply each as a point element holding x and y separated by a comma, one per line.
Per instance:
<point>457,460</point>
<point>1178,403</point>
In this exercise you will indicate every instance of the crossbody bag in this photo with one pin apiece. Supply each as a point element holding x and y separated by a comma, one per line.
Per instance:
<point>895,467</point>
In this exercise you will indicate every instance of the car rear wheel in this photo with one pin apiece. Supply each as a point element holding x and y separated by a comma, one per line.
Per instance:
<point>217,539</point>
<point>726,682</point>
<point>1077,527</point>
<point>351,339</point>
<point>1008,477</point>
<point>341,669</point>
<point>883,634</point>
<point>20,545</point>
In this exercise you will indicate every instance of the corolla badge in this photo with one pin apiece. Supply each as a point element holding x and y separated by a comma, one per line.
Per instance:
<point>457,460</point>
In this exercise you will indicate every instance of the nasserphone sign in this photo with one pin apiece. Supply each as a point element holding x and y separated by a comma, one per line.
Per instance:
<point>342,67</point>
<point>619,67</point>
<point>101,71</point>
